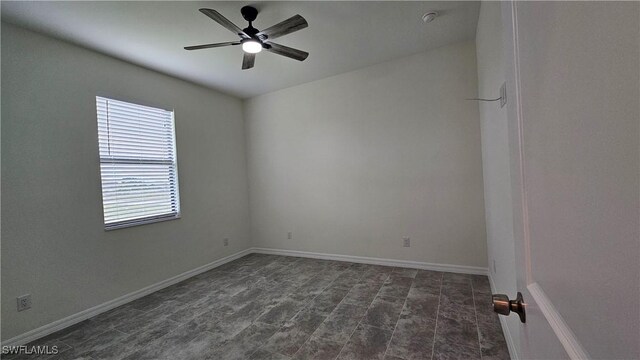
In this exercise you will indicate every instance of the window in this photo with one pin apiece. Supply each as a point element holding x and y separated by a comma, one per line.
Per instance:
<point>137,164</point>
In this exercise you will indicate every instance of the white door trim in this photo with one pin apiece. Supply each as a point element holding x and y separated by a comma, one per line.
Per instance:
<point>522,185</point>
<point>511,345</point>
<point>564,333</point>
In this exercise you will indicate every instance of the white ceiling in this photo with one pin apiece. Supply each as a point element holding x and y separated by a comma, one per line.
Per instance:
<point>342,36</point>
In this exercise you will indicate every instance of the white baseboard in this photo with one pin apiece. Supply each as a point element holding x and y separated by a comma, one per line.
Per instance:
<point>96,310</point>
<point>475,270</point>
<point>513,352</point>
<point>91,312</point>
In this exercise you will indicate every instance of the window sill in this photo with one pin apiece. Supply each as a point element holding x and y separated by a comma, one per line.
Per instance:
<point>138,222</point>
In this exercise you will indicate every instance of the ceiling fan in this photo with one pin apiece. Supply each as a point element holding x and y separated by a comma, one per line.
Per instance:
<point>254,40</point>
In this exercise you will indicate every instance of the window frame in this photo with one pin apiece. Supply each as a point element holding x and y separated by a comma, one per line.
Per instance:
<point>133,161</point>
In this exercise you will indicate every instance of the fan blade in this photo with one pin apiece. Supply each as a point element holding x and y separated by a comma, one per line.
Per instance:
<point>288,26</point>
<point>248,60</point>
<point>207,46</point>
<point>217,17</point>
<point>287,51</point>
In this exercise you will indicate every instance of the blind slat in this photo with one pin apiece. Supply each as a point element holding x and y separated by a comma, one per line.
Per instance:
<point>136,207</point>
<point>125,105</point>
<point>137,200</point>
<point>123,141</point>
<point>157,124</point>
<point>140,210</point>
<point>120,111</point>
<point>139,154</point>
<point>115,131</point>
<point>137,163</point>
<point>127,128</point>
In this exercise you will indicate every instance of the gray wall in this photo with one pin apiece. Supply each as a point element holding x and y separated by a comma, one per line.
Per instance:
<point>352,163</point>
<point>495,156</point>
<point>53,241</point>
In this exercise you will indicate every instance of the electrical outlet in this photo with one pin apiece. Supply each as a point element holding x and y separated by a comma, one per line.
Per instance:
<point>503,94</point>
<point>24,302</point>
<point>226,241</point>
<point>289,235</point>
<point>406,242</point>
<point>494,266</point>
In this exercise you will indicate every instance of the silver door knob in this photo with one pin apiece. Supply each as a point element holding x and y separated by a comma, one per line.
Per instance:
<point>503,306</point>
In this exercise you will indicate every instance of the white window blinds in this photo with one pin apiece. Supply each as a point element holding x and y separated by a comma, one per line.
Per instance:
<point>137,164</point>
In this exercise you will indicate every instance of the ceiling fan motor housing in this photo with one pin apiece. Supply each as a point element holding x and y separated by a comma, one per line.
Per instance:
<point>252,32</point>
<point>249,13</point>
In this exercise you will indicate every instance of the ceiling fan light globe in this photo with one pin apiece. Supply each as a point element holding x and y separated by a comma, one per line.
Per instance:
<point>251,47</point>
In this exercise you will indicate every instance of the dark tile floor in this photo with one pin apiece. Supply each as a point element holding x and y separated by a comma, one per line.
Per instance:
<point>277,307</point>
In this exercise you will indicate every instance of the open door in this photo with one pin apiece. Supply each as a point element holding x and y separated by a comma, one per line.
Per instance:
<point>573,88</point>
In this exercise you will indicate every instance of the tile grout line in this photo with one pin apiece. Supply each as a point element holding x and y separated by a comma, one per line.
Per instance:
<point>365,313</point>
<point>435,331</point>
<point>280,328</point>
<point>256,320</point>
<point>226,286</point>
<point>109,328</point>
<point>181,325</point>
<point>322,270</point>
<point>311,335</point>
<point>475,312</point>
<point>305,308</point>
<point>397,321</point>
<point>112,327</point>
<point>263,278</point>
